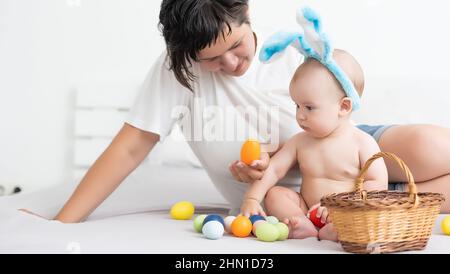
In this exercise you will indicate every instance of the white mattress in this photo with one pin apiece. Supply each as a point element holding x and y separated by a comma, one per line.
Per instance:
<point>135,219</point>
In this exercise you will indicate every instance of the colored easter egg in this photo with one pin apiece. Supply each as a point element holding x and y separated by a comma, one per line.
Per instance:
<point>256,224</point>
<point>283,229</point>
<point>445,225</point>
<point>272,219</point>
<point>241,226</point>
<point>198,222</point>
<point>228,221</point>
<point>214,217</point>
<point>250,151</point>
<point>267,232</point>
<point>255,218</point>
<point>316,221</point>
<point>182,210</point>
<point>213,230</point>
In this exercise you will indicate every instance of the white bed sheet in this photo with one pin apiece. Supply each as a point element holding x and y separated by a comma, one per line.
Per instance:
<point>135,219</point>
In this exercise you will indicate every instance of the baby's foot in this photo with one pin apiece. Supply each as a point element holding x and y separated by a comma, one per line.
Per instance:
<point>300,227</point>
<point>328,232</point>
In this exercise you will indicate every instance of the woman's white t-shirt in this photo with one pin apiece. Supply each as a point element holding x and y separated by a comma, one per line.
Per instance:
<point>221,113</point>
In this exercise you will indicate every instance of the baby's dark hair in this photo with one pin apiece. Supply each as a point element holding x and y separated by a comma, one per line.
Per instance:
<point>189,26</point>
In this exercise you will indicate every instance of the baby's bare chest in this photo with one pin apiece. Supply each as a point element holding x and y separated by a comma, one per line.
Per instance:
<point>333,160</point>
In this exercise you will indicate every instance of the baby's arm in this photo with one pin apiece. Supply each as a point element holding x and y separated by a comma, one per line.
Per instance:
<point>376,177</point>
<point>279,165</point>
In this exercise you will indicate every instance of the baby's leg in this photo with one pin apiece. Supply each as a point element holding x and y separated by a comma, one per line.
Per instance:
<point>328,232</point>
<point>283,203</point>
<point>288,206</point>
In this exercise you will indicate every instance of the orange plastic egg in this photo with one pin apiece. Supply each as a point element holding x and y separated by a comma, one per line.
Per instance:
<point>250,151</point>
<point>241,226</point>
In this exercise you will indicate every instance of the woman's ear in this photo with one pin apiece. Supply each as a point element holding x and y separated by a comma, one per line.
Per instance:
<point>346,106</point>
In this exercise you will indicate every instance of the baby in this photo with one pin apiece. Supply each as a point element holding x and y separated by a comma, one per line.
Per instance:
<point>330,151</point>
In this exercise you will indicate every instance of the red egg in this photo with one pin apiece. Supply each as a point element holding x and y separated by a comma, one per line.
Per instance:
<point>316,221</point>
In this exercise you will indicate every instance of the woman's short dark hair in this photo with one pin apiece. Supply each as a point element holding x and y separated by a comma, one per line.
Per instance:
<point>189,26</point>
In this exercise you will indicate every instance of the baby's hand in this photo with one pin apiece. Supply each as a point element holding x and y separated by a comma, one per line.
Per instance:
<point>322,213</point>
<point>250,173</point>
<point>251,207</point>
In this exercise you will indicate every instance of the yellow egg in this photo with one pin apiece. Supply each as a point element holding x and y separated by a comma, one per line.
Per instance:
<point>250,151</point>
<point>182,210</point>
<point>446,225</point>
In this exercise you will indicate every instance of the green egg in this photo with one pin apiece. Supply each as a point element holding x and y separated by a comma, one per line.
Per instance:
<point>283,229</point>
<point>267,232</point>
<point>198,222</point>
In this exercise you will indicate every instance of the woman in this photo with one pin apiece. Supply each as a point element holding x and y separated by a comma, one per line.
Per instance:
<point>210,63</point>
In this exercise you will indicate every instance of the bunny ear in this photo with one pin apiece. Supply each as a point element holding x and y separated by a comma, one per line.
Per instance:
<point>312,42</point>
<point>309,40</point>
<point>307,16</point>
<point>318,40</point>
<point>277,43</point>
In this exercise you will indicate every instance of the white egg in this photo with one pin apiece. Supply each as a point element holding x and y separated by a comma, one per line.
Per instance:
<point>228,220</point>
<point>213,230</point>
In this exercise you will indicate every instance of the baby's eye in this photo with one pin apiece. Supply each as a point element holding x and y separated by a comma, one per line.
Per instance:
<point>297,106</point>
<point>236,46</point>
<point>309,108</point>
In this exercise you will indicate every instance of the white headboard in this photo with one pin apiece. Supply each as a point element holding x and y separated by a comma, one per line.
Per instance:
<point>100,113</point>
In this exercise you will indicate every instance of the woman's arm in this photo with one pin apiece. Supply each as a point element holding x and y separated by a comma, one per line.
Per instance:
<point>127,150</point>
<point>376,177</point>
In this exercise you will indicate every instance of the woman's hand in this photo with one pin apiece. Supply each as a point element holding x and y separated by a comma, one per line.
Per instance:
<point>250,173</point>
<point>251,206</point>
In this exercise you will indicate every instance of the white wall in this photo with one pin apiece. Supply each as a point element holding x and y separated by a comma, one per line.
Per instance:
<point>385,36</point>
<point>48,48</point>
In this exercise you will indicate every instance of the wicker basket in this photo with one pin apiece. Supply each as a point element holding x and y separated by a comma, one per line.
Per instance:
<point>383,221</point>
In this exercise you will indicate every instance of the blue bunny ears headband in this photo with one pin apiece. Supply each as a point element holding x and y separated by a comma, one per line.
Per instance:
<point>311,42</point>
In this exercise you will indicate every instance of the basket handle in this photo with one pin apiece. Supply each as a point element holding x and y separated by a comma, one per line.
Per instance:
<point>411,185</point>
